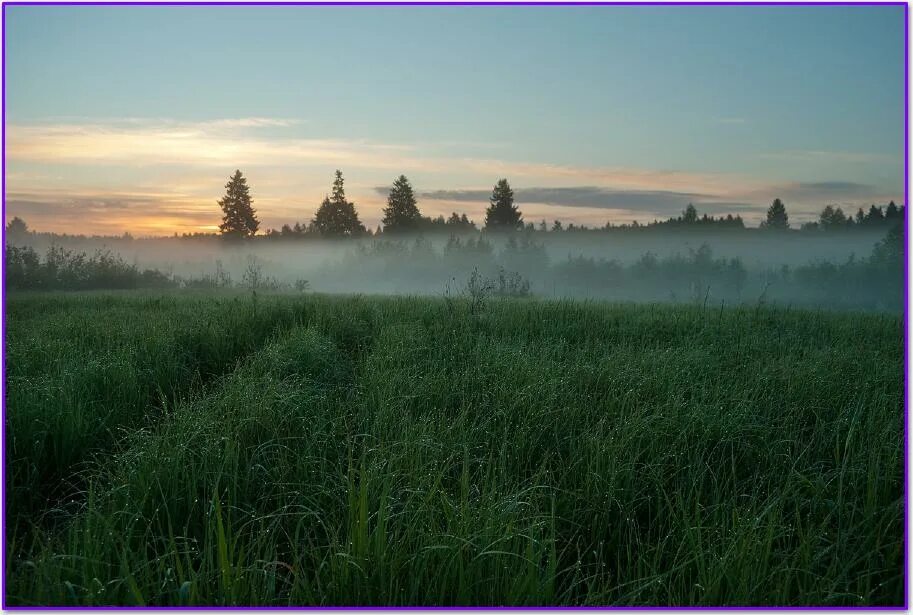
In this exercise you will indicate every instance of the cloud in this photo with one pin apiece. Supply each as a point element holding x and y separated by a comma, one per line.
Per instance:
<point>231,143</point>
<point>582,196</point>
<point>648,202</point>
<point>110,215</point>
<point>807,197</point>
<point>825,191</point>
<point>82,210</point>
<point>217,143</point>
<point>829,157</point>
<point>252,122</point>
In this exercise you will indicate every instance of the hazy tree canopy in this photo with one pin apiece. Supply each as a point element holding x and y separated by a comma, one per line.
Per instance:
<point>889,251</point>
<point>401,212</point>
<point>17,225</point>
<point>892,212</point>
<point>239,218</point>
<point>777,217</point>
<point>502,214</point>
<point>336,217</point>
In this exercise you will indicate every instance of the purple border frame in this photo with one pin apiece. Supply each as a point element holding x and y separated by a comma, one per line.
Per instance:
<point>246,3</point>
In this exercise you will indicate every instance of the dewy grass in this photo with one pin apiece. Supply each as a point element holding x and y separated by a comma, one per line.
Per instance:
<point>405,451</point>
<point>79,375</point>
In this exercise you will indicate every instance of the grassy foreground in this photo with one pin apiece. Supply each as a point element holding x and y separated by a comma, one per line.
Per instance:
<point>230,450</point>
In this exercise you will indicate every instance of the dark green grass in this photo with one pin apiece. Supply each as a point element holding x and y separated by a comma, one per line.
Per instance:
<point>405,451</point>
<point>84,370</point>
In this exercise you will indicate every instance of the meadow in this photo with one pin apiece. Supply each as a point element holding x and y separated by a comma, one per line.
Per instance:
<point>237,448</point>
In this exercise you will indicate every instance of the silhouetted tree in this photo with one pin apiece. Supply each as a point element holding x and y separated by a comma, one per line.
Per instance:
<point>239,218</point>
<point>401,213</point>
<point>892,212</point>
<point>832,218</point>
<point>689,216</point>
<point>16,230</point>
<point>336,217</point>
<point>502,214</point>
<point>777,217</point>
<point>432,224</point>
<point>860,216</point>
<point>875,215</point>
<point>457,222</point>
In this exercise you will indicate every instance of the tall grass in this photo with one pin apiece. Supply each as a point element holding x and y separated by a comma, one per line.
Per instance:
<point>411,451</point>
<point>82,370</point>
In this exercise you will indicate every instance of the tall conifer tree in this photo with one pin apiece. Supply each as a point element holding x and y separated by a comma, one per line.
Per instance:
<point>239,218</point>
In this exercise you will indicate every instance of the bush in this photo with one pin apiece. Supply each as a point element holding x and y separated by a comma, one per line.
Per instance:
<point>68,270</point>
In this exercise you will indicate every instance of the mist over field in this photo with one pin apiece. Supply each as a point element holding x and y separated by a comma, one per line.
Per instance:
<point>735,266</point>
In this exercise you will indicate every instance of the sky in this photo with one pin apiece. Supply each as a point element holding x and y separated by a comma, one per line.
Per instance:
<point>132,118</point>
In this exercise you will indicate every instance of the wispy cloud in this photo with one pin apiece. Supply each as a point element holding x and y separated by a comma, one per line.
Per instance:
<point>829,156</point>
<point>822,192</point>
<point>580,196</point>
<point>221,143</point>
<point>231,143</point>
<point>252,122</point>
<point>110,212</point>
<point>651,202</point>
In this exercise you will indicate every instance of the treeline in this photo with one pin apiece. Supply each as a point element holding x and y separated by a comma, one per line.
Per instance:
<point>833,219</point>
<point>338,217</point>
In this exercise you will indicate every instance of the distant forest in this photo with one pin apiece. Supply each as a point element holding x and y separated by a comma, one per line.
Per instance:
<point>337,217</point>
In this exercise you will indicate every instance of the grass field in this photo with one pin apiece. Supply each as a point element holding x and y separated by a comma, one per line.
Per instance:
<point>187,449</point>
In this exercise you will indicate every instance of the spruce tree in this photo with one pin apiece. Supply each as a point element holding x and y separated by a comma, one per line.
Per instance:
<point>875,215</point>
<point>689,216</point>
<point>777,217</point>
<point>832,217</point>
<point>336,217</point>
<point>239,218</point>
<point>502,214</point>
<point>401,213</point>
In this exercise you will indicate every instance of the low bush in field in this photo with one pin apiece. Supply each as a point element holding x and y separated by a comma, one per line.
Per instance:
<point>68,270</point>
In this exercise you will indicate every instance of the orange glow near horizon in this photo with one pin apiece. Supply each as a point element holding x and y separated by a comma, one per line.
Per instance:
<point>159,177</point>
